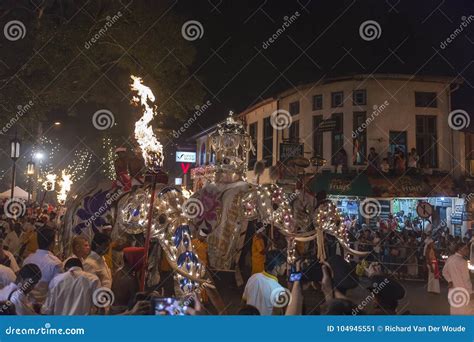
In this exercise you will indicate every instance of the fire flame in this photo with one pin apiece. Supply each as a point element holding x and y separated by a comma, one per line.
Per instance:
<point>50,181</point>
<point>152,150</point>
<point>65,185</point>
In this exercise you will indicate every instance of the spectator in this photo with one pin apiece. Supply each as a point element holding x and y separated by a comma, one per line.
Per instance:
<point>262,288</point>
<point>95,262</point>
<point>71,293</point>
<point>17,293</point>
<point>49,264</point>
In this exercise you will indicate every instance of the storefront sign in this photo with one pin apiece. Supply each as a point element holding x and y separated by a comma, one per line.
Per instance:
<point>340,185</point>
<point>409,186</point>
<point>288,151</point>
<point>185,157</point>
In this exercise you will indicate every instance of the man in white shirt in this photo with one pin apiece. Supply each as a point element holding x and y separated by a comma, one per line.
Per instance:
<point>80,249</point>
<point>7,276</point>
<point>48,263</point>
<point>262,289</point>
<point>456,273</point>
<point>17,293</point>
<point>71,292</point>
<point>95,262</point>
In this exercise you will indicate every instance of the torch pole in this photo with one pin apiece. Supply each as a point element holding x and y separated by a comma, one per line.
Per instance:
<point>148,234</point>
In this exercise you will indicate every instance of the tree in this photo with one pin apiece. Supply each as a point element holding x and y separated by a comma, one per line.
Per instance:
<point>79,54</point>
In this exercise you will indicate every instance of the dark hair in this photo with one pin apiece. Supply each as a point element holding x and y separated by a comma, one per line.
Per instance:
<point>30,271</point>
<point>7,308</point>
<point>273,259</point>
<point>248,310</point>
<point>72,262</point>
<point>45,237</point>
<point>459,246</point>
<point>99,240</point>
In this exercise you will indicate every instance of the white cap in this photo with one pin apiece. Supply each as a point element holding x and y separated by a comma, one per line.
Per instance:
<point>202,233</point>
<point>120,149</point>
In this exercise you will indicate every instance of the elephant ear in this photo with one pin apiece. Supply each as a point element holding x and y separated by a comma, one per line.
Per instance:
<point>172,230</point>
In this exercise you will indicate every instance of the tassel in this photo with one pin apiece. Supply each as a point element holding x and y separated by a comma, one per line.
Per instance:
<point>321,251</point>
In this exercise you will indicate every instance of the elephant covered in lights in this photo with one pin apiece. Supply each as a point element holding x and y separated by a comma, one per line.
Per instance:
<point>127,212</point>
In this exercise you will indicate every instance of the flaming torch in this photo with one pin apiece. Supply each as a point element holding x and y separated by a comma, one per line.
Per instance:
<point>65,185</point>
<point>48,185</point>
<point>152,152</point>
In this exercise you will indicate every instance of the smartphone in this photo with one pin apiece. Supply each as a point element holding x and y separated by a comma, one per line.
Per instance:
<point>168,306</point>
<point>296,276</point>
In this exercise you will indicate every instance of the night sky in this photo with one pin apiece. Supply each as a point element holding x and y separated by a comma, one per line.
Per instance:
<point>324,41</point>
<point>231,64</point>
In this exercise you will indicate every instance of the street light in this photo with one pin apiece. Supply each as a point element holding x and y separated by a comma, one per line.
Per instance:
<point>14,155</point>
<point>30,168</point>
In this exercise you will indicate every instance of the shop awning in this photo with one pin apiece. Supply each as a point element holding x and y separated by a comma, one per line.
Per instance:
<point>341,184</point>
<point>413,186</point>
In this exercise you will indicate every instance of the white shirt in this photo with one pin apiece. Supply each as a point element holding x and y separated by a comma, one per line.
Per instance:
<point>96,264</point>
<point>12,241</point>
<point>455,270</point>
<point>259,291</point>
<point>7,276</point>
<point>18,298</point>
<point>50,267</point>
<point>70,293</point>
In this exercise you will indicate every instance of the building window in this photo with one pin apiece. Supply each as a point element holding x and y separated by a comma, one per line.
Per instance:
<point>294,132</point>
<point>253,129</point>
<point>267,148</point>
<point>337,143</point>
<point>317,102</point>
<point>359,97</point>
<point>426,140</point>
<point>359,139</point>
<point>425,99</point>
<point>317,137</point>
<point>337,99</point>
<point>295,108</point>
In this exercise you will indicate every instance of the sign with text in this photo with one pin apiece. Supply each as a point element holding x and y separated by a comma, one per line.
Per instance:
<point>185,157</point>
<point>327,125</point>
<point>289,151</point>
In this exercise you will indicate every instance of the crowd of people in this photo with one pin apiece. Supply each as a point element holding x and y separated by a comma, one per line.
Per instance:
<point>37,278</point>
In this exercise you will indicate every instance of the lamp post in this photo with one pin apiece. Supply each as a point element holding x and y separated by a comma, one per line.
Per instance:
<point>30,171</point>
<point>14,155</point>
